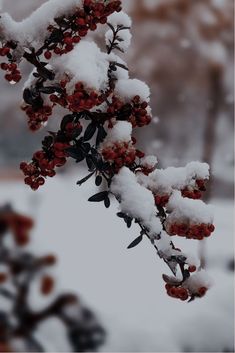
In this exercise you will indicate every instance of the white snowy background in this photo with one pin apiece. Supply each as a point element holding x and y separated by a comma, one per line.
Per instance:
<point>124,286</point>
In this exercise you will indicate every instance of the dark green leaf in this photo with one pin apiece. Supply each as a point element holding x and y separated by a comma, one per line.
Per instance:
<point>101,196</point>
<point>100,135</point>
<point>135,242</point>
<point>76,153</point>
<point>90,131</point>
<point>107,202</point>
<point>90,163</point>
<point>80,182</point>
<point>98,180</point>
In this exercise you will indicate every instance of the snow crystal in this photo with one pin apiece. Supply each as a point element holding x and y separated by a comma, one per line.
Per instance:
<point>32,30</point>
<point>86,63</point>
<point>121,132</point>
<point>185,209</point>
<point>135,200</point>
<point>129,88</point>
<point>119,18</point>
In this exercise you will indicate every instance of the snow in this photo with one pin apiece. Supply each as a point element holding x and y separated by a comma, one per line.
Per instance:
<point>198,280</point>
<point>149,161</point>
<point>127,189</point>
<point>32,30</point>
<point>87,64</point>
<point>189,210</point>
<point>119,18</point>
<point>120,132</point>
<point>94,262</point>
<point>129,88</point>
<point>166,180</point>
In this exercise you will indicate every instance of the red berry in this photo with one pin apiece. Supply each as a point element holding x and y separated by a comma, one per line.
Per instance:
<point>48,55</point>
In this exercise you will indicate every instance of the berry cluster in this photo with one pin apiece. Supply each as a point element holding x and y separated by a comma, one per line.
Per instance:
<point>196,191</point>
<point>183,293</point>
<point>177,292</point>
<point>81,99</point>
<point>13,74</point>
<point>195,231</point>
<point>161,200</point>
<point>37,117</point>
<point>119,154</point>
<point>44,163</point>
<point>5,50</point>
<point>139,114</point>
<point>135,112</point>
<point>71,30</point>
<point>19,226</point>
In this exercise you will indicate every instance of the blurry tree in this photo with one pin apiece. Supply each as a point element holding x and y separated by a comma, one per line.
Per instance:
<point>188,52</point>
<point>19,269</point>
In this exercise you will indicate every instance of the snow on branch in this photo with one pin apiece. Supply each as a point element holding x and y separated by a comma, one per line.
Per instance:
<point>135,200</point>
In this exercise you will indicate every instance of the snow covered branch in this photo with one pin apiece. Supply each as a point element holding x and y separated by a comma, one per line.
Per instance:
<point>94,86</point>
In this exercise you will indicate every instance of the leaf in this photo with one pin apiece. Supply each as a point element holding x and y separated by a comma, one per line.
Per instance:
<point>135,242</point>
<point>101,196</point>
<point>121,215</point>
<point>90,131</point>
<point>90,163</point>
<point>98,180</point>
<point>107,202</point>
<point>128,221</point>
<point>48,141</point>
<point>47,90</point>
<point>27,96</point>
<point>80,182</point>
<point>86,147</point>
<point>112,28</point>
<point>76,153</point>
<point>100,135</point>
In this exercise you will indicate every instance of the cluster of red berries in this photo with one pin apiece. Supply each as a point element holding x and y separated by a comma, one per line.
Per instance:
<point>81,22</point>
<point>177,292</point>
<point>183,293</point>
<point>43,164</point>
<point>136,112</point>
<point>161,200</point>
<point>196,231</point>
<point>119,154</point>
<point>37,116</point>
<point>19,226</point>
<point>194,192</point>
<point>5,50</point>
<point>81,99</point>
<point>13,74</point>
<point>139,115</point>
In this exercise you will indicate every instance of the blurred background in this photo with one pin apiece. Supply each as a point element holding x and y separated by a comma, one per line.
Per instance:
<point>184,50</point>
